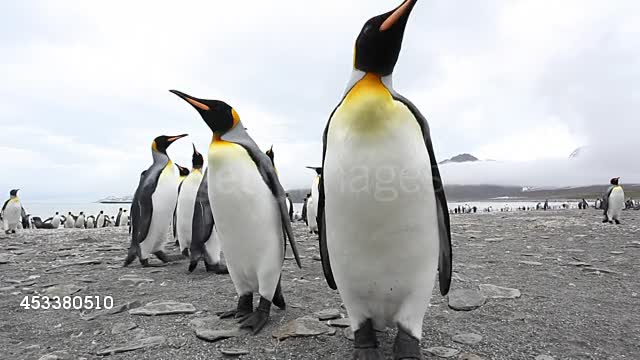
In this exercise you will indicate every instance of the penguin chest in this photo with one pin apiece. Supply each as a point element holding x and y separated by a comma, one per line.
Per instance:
<point>186,203</point>
<point>616,198</point>
<point>13,211</point>
<point>165,195</point>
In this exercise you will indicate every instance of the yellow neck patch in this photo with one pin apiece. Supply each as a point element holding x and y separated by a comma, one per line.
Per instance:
<point>370,86</point>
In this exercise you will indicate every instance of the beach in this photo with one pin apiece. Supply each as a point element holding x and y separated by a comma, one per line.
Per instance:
<point>526,285</point>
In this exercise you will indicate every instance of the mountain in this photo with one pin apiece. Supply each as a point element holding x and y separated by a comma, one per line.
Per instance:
<point>460,159</point>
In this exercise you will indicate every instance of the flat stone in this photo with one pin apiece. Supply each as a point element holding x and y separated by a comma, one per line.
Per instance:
<point>340,322</point>
<point>465,299</point>
<point>234,351</point>
<point>6,288</point>
<point>115,310</point>
<point>62,290</point>
<point>468,339</point>
<point>177,342</point>
<point>163,307</point>
<point>134,280</point>
<point>499,292</point>
<point>532,263</point>
<point>575,250</point>
<point>327,314</point>
<point>497,239</point>
<point>544,357</point>
<point>133,345</point>
<point>443,352</point>
<point>348,333</point>
<point>469,356</point>
<point>304,326</point>
<point>317,258</point>
<point>82,262</point>
<point>119,328</point>
<point>5,258</point>
<point>216,335</point>
<point>578,263</point>
<point>616,252</point>
<point>602,270</point>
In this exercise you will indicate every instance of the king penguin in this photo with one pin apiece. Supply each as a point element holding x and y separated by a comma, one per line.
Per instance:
<point>613,202</point>
<point>100,220</point>
<point>205,243</point>
<point>11,212</point>
<point>186,202</point>
<point>55,221</point>
<point>248,205</point>
<point>80,221</point>
<point>312,203</point>
<point>183,172</point>
<point>90,222</point>
<point>153,204</point>
<point>119,218</point>
<point>385,229</point>
<point>69,221</point>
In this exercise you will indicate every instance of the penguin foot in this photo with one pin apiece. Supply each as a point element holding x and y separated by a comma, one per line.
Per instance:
<point>366,343</point>
<point>258,319</point>
<point>406,346</point>
<point>185,252</point>
<point>193,265</point>
<point>278,298</point>
<point>177,243</point>
<point>610,222</point>
<point>162,256</point>
<point>605,220</point>
<point>144,263</point>
<point>617,222</point>
<point>218,268</point>
<point>245,307</point>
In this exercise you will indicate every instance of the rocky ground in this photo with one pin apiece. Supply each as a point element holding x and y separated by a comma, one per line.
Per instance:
<point>527,285</point>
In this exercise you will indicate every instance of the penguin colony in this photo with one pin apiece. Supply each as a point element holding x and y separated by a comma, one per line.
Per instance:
<point>382,250</point>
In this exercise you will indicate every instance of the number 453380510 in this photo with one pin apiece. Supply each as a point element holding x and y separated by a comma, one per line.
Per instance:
<point>36,302</point>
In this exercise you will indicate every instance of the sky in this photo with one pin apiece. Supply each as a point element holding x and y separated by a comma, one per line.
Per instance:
<point>84,86</point>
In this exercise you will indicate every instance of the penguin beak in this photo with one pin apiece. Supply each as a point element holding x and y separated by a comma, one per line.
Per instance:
<point>195,102</point>
<point>174,138</point>
<point>400,13</point>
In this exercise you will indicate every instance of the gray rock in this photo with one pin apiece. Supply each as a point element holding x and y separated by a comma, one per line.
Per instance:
<point>616,252</point>
<point>163,307</point>
<point>533,263</point>
<point>209,322</point>
<point>340,322</point>
<point>234,352</point>
<point>544,357</point>
<point>317,258</point>
<point>62,290</point>
<point>177,342</point>
<point>134,280</point>
<point>327,314</point>
<point>215,335</point>
<point>465,299</point>
<point>348,333</point>
<point>443,352</point>
<point>304,326</point>
<point>469,356</point>
<point>119,328</point>
<point>134,345</point>
<point>494,239</point>
<point>5,258</point>
<point>115,310</point>
<point>468,339</point>
<point>499,292</point>
<point>578,263</point>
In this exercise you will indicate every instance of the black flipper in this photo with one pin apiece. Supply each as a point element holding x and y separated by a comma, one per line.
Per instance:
<point>202,222</point>
<point>444,227</point>
<point>5,204</point>
<point>142,206</point>
<point>239,136</point>
<point>605,200</point>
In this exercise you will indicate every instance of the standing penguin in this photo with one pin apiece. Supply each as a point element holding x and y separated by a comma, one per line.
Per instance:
<point>55,221</point>
<point>183,172</point>
<point>80,221</point>
<point>90,222</point>
<point>186,202</point>
<point>385,229</point>
<point>124,218</point>
<point>153,204</point>
<point>312,203</point>
<point>613,202</point>
<point>12,212</point>
<point>69,221</point>
<point>205,243</point>
<point>250,212</point>
<point>100,220</point>
<point>119,218</point>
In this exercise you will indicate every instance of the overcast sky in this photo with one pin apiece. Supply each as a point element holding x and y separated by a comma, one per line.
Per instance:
<point>84,85</point>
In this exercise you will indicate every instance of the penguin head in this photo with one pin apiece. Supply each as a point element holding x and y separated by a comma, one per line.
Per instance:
<point>162,142</point>
<point>197,160</point>
<point>317,169</point>
<point>101,212</point>
<point>14,192</point>
<point>182,170</point>
<point>614,181</point>
<point>219,116</point>
<point>379,42</point>
<point>270,154</point>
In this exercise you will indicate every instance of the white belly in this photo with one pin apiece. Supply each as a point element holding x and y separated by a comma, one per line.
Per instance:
<point>164,202</point>
<point>247,220</point>
<point>12,214</point>
<point>616,203</point>
<point>382,230</point>
<point>55,222</point>
<point>80,222</point>
<point>184,210</point>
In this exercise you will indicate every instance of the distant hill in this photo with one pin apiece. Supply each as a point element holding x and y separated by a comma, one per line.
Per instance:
<point>460,159</point>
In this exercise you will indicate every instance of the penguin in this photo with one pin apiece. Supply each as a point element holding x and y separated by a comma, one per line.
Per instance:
<point>100,220</point>
<point>38,224</point>
<point>124,219</point>
<point>119,218</point>
<point>249,208</point>
<point>271,156</point>
<point>182,174</point>
<point>69,221</point>
<point>80,221</point>
<point>312,203</point>
<point>183,217</point>
<point>12,212</point>
<point>205,243</point>
<point>613,202</point>
<point>153,204</point>
<point>55,221</point>
<point>384,224</point>
<point>90,222</point>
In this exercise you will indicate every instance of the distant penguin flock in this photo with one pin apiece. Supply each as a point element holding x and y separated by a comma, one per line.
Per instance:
<point>377,204</point>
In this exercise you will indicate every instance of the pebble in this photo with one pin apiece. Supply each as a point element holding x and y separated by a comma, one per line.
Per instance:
<point>119,328</point>
<point>133,345</point>
<point>469,356</point>
<point>348,333</point>
<point>340,322</point>
<point>215,335</point>
<point>468,339</point>
<point>115,310</point>
<point>465,299</point>
<point>499,292</point>
<point>234,352</point>
<point>328,314</point>
<point>544,357</point>
<point>494,239</point>
<point>317,258</point>
<point>135,280</point>
<point>62,290</point>
<point>533,263</point>
<point>443,352</point>
<point>304,326</point>
<point>163,307</point>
